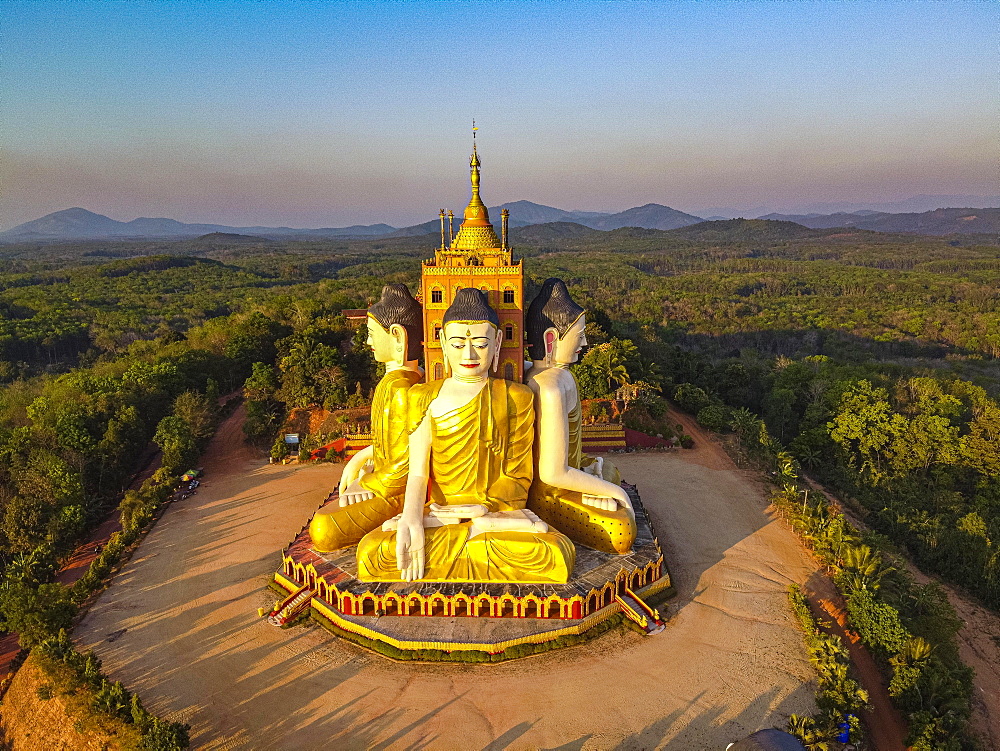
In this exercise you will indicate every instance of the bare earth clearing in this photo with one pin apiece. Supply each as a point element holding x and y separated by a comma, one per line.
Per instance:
<point>730,661</point>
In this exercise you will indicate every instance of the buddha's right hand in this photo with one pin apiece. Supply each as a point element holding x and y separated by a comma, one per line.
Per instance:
<point>355,493</point>
<point>410,548</point>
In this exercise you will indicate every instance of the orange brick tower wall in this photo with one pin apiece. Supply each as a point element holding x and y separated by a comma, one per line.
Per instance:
<point>474,257</point>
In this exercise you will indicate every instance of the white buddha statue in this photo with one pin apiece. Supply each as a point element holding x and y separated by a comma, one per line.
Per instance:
<point>580,495</point>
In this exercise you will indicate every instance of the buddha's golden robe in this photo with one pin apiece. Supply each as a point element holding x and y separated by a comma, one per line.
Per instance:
<point>343,526</point>
<point>480,453</point>
<point>607,531</point>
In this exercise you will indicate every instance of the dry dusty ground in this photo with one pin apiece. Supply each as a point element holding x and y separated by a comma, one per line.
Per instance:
<point>730,661</point>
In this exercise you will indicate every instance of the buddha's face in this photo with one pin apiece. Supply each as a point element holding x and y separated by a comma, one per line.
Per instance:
<point>566,350</point>
<point>470,348</point>
<point>383,343</point>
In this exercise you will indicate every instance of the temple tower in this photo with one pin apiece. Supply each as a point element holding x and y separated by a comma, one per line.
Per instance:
<point>475,257</point>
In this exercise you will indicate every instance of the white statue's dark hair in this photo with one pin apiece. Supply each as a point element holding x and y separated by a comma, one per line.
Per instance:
<point>551,308</point>
<point>398,306</point>
<point>470,305</point>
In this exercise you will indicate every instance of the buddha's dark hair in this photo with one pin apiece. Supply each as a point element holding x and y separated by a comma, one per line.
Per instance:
<point>470,305</point>
<point>551,308</point>
<point>398,306</point>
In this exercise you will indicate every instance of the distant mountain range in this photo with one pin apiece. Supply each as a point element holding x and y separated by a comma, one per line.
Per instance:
<point>526,213</point>
<point>80,224</point>
<point>913,205</point>
<point>937,222</point>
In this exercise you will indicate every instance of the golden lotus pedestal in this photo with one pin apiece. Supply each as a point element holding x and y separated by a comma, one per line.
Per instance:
<point>486,617</point>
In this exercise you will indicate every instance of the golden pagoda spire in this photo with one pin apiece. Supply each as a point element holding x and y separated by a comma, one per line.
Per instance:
<point>476,232</point>
<point>474,164</point>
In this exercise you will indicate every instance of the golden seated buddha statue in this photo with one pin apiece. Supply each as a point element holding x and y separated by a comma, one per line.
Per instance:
<point>464,517</point>
<point>579,494</point>
<point>369,498</point>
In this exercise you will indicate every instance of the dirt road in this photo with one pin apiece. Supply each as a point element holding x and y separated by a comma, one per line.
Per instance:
<point>179,625</point>
<point>978,642</point>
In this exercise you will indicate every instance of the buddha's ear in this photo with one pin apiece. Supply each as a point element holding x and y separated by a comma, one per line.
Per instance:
<point>496,355</point>
<point>550,339</point>
<point>398,334</point>
<point>551,335</point>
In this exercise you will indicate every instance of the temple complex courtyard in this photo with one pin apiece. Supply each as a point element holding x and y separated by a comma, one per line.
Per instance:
<point>179,625</point>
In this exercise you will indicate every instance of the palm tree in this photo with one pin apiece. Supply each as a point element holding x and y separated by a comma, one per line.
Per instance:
<point>744,422</point>
<point>917,649</point>
<point>615,370</point>
<point>651,371</point>
<point>863,568</point>
<point>809,456</point>
<point>804,728</point>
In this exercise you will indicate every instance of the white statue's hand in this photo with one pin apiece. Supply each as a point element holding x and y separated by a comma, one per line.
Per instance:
<point>449,514</point>
<point>537,524</point>
<point>390,525</point>
<point>358,466</point>
<point>355,493</point>
<point>521,520</point>
<point>410,548</point>
<point>618,500</point>
<point>599,502</point>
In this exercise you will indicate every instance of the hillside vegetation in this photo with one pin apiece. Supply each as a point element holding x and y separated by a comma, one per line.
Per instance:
<point>871,358</point>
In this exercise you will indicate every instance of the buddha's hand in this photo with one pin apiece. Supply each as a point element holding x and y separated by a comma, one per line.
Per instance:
<point>616,499</point>
<point>355,493</point>
<point>410,548</point>
<point>360,464</point>
<point>458,512</point>
<point>537,525</point>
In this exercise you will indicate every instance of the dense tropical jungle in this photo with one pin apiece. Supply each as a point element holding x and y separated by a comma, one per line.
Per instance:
<point>868,360</point>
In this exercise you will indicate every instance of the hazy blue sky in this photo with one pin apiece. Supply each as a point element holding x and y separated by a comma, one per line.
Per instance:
<point>328,114</point>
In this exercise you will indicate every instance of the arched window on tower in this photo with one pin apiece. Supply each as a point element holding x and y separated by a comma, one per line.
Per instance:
<point>438,371</point>
<point>508,371</point>
<point>508,296</point>
<point>437,332</point>
<point>436,295</point>
<point>508,332</point>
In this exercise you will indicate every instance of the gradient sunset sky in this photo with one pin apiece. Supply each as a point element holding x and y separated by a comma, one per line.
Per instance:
<point>330,114</point>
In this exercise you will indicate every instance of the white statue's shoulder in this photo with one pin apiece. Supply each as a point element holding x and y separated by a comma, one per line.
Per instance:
<point>542,377</point>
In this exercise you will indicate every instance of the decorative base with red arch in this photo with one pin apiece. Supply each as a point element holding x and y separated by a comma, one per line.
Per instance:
<point>489,617</point>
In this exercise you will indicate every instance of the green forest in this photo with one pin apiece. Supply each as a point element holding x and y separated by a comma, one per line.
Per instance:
<point>870,360</point>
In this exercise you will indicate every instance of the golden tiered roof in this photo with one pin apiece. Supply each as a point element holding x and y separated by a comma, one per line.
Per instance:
<point>476,236</point>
